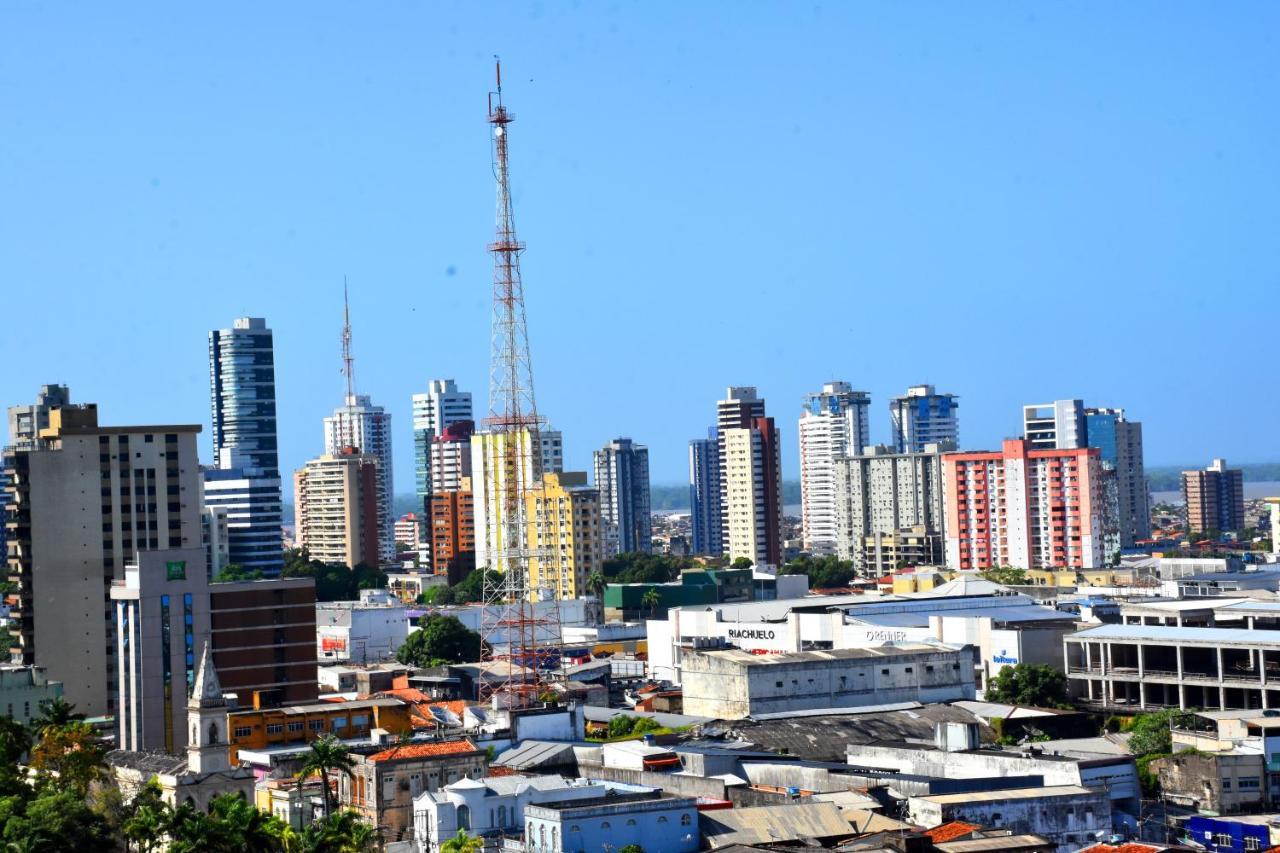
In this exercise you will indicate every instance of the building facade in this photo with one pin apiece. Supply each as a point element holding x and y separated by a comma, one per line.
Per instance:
<point>23,689</point>
<point>834,424</point>
<point>1025,508</point>
<point>923,416</point>
<point>336,509</point>
<point>704,495</point>
<point>622,478</point>
<point>453,534</point>
<point>882,496</point>
<point>451,457</point>
<point>564,532</point>
<point>262,634</point>
<point>750,474</point>
<point>362,425</point>
<point>1214,498</point>
<point>86,501</point>
<point>362,632</point>
<point>1124,477</point>
<point>246,481</point>
<point>1059,425</point>
<point>651,821</point>
<point>489,473</point>
<point>442,406</point>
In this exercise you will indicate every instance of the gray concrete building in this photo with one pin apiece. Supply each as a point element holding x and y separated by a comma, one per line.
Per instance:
<point>732,684</point>
<point>1068,815</point>
<point>23,689</point>
<point>622,476</point>
<point>87,500</point>
<point>882,496</point>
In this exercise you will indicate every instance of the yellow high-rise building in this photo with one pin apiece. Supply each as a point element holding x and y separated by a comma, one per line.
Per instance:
<point>564,533</point>
<point>491,467</point>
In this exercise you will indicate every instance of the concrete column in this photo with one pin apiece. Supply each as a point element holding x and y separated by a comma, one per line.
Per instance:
<point>1221,672</point>
<point>1182,698</point>
<point>1141,660</point>
<point>1222,698</point>
<point>1180,672</point>
<point>1088,655</point>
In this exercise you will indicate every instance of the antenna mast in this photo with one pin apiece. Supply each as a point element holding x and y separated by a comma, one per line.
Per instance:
<point>523,644</point>
<point>347,434</point>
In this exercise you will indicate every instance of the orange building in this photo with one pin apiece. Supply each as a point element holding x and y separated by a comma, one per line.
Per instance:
<point>453,533</point>
<point>1030,509</point>
<point>300,724</point>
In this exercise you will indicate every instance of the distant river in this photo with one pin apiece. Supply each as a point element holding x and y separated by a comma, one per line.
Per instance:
<point>1255,489</point>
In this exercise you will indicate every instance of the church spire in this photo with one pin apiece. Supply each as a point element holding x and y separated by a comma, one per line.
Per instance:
<point>206,692</point>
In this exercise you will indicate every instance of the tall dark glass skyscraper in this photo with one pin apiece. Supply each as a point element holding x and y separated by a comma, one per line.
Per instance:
<point>245,482</point>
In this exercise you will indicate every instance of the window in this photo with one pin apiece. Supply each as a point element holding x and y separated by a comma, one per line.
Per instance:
<point>662,819</point>
<point>1252,843</point>
<point>275,728</point>
<point>1222,839</point>
<point>573,828</point>
<point>777,684</point>
<point>339,723</point>
<point>604,824</point>
<point>685,820</point>
<point>1248,783</point>
<point>884,672</point>
<point>631,821</point>
<point>296,726</point>
<point>243,731</point>
<point>316,725</point>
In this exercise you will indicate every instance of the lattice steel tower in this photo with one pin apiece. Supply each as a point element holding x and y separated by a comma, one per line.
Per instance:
<point>522,642</point>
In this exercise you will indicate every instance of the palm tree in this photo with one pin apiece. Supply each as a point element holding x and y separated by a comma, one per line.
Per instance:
<point>54,714</point>
<point>327,755</point>
<point>651,599</point>
<point>252,828</point>
<point>595,584</point>
<point>15,740</point>
<point>462,843</point>
<point>343,832</point>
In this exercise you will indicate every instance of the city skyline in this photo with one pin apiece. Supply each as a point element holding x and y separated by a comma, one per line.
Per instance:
<point>201,230</point>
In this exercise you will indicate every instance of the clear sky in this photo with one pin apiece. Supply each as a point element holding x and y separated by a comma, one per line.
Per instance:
<point>1014,202</point>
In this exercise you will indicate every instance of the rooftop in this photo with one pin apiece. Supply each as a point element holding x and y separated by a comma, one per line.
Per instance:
<point>749,659</point>
<point>402,752</point>
<point>1172,634</point>
<point>950,831</point>
<point>996,842</point>
<point>1011,794</point>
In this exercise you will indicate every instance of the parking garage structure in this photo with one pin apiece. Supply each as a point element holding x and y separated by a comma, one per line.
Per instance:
<point>1150,667</point>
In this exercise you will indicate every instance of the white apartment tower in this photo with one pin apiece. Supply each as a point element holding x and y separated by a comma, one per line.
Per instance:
<point>923,416</point>
<point>1059,425</point>
<point>367,427</point>
<point>834,424</point>
<point>442,406</point>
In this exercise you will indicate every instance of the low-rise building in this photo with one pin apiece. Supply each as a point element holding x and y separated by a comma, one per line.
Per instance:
<point>493,807</point>
<point>1069,815</point>
<point>1214,782</point>
<point>731,683</point>
<point>364,631</point>
<point>650,820</point>
<point>388,778</point>
<point>301,724</point>
<point>23,688</point>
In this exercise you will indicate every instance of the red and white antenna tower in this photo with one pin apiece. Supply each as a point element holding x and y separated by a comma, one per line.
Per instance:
<point>346,431</point>
<point>523,642</point>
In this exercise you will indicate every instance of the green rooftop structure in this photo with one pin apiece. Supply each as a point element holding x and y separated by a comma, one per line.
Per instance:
<point>695,586</point>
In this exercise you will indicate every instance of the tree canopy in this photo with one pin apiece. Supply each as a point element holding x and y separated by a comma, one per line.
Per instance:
<point>440,640</point>
<point>1150,734</point>
<point>827,572</point>
<point>644,568</point>
<point>1032,684</point>
<point>1007,575</point>
<point>333,583</point>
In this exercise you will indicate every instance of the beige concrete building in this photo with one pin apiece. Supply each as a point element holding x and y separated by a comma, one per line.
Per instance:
<point>1214,498</point>
<point>335,505</point>
<point>564,532</point>
<point>86,500</point>
<point>752,510</point>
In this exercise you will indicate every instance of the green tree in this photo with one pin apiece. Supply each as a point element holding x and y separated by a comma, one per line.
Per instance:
<point>56,820</point>
<point>236,572</point>
<point>342,832</point>
<point>620,725</point>
<point>439,640</point>
<point>147,820</point>
<point>54,714</point>
<point>828,572</point>
<point>644,568</point>
<point>71,756</point>
<point>247,827</point>
<point>651,599</point>
<point>462,843</point>
<point>327,755</point>
<point>1006,575</point>
<point>1034,684</point>
<point>632,848</point>
<point>1149,734</point>
<point>15,740</point>
<point>742,563</point>
<point>596,584</point>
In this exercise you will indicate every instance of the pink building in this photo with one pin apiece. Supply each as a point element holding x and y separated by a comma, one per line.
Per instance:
<point>1031,509</point>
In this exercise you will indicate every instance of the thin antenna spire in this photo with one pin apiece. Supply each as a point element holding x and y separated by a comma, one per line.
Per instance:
<point>348,361</point>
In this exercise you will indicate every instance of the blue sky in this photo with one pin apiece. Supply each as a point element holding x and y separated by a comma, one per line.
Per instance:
<point>1015,202</point>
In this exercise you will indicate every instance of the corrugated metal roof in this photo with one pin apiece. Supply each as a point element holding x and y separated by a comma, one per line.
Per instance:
<point>771,824</point>
<point>1011,794</point>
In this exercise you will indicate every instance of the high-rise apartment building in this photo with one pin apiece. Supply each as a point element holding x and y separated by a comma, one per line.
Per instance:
<point>1214,498</point>
<point>750,479</point>
<point>489,472</point>
<point>411,531</point>
<point>336,509</point>
<point>246,479</point>
<point>442,406</point>
<point>622,477</point>
<point>704,495</point>
<point>563,530</point>
<point>1023,507</point>
<point>834,424</point>
<point>882,497</point>
<point>1059,425</point>
<point>367,427</point>
<point>26,421</point>
<point>453,533</point>
<point>1128,504</point>
<point>86,500</point>
<point>921,417</point>
<point>450,454</point>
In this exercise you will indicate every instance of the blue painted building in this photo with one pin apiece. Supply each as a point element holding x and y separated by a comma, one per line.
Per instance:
<point>704,494</point>
<point>1242,834</point>
<point>650,820</point>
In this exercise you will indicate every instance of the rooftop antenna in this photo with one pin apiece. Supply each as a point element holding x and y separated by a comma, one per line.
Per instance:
<point>349,370</point>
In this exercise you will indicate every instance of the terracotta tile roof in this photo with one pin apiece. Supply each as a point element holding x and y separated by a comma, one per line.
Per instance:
<point>952,831</point>
<point>424,750</point>
<point>1128,847</point>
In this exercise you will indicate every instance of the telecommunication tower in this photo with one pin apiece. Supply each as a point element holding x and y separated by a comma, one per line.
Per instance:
<point>522,643</point>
